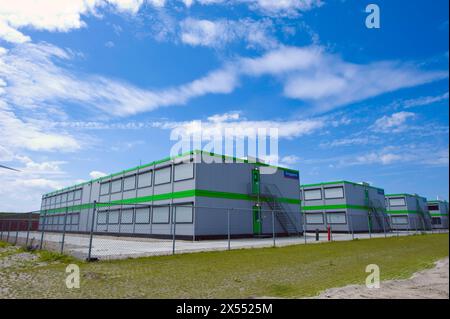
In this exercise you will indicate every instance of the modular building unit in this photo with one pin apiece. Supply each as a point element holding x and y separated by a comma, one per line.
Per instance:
<point>344,207</point>
<point>408,212</point>
<point>439,213</point>
<point>199,194</point>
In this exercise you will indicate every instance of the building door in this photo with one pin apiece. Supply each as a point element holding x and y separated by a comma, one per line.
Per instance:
<point>257,222</point>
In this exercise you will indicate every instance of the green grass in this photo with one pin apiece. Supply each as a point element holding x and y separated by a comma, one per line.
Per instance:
<point>294,271</point>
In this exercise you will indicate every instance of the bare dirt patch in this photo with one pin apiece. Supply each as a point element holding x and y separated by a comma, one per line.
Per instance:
<point>427,284</point>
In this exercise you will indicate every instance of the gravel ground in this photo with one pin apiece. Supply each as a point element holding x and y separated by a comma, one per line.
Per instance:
<point>427,284</point>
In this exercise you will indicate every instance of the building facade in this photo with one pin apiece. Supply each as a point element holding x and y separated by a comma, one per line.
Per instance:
<point>408,212</point>
<point>344,207</point>
<point>439,213</point>
<point>196,195</point>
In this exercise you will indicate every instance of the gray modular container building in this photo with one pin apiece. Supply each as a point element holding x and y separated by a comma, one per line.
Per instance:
<point>344,207</point>
<point>196,193</point>
<point>439,213</point>
<point>408,212</point>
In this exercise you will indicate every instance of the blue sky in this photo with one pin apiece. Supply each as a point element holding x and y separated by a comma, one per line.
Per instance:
<point>89,87</point>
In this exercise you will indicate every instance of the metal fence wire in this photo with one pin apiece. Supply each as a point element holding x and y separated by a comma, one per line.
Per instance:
<point>112,231</point>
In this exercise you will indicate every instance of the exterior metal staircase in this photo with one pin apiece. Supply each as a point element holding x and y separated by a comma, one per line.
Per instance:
<point>270,195</point>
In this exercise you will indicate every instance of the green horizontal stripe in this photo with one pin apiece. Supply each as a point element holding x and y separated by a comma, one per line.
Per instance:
<point>340,206</point>
<point>438,215</point>
<point>175,195</point>
<point>403,212</point>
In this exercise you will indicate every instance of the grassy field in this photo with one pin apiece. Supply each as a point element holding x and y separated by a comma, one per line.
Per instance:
<point>294,271</point>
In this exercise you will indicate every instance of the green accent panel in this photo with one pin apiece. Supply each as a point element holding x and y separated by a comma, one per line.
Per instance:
<point>167,159</point>
<point>340,206</point>
<point>402,212</point>
<point>339,182</point>
<point>257,224</point>
<point>439,215</point>
<point>176,195</point>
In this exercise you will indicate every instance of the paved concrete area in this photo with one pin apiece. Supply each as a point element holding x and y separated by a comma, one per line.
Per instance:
<point>109,247</point>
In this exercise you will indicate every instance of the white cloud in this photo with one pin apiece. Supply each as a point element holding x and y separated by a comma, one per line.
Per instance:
<point>233,124</point>
<point>267,7</point>
<point>326,81</point>
<point>60,15</point>
<point>97,174</point>
<point>219,33</point>
<point>394,123</point>
<point>426,100</point>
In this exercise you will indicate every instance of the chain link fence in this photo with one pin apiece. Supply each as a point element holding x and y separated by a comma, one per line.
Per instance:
<point>110,231</point>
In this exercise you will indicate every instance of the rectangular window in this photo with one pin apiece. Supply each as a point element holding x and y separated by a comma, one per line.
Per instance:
<point>399,220</point>
<point>161,215</point>
<point>184,171</point>
<point>436,220</point>
<point>102,217</point>
<point>314,218</point>
<point>400,201</point>
<point>129,183</point>
<point>75,219</point>
<point>127,216</point>
<point>184,214</point>
<point>64,198</point>
<point>433,207</point>
<point>336,218</point>
<point>113,217</point>
<point>104,188</point>
<point>61,219</point>
<point>58,199</point>
<point>116,186</point>
<point>334,192</point>
<point>142,215</point>
<point>145,179</point>
<point>77,195</point>
<point>313,194</point>
<point>162,175</point>
<point>70,196</point>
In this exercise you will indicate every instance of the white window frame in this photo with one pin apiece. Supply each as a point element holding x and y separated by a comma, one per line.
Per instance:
<point>311,214</point>
<point>334,187</point>
<point>162,169</point>
<point>115,211</point>
<point>150,172</point>
<point>397,198</point>
<point>182,206</point>
<point>336,213</point>
<point>305,191</point>
<point>161,222</point>
<point>393,217</point>
<point>102,213</point>
<point>126,178</point>
<point>121,185</point>
<point>136,213</point>
<point>109,188</point>
<point>183,178</point>
<point>127,210</point>
<point>78,191</point>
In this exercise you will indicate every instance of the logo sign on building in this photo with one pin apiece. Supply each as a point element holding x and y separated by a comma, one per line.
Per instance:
<point>291,174</point>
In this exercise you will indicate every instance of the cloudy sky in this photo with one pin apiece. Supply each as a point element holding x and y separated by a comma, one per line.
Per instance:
<point>89,87</point>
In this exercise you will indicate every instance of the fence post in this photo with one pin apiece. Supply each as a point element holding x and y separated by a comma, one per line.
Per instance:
<point>9,229</point>
<point>28,228</point>
<point>384,227</point>
<point>17,231</point>
<point>91,235</point>
<point>304,226</point>
<point>370,226</point>
<point>174,222</point>
<point>273,228</point>
<point>1,230</point>
<point>228,230</point>
<point>64,230</point>
<point>43,230</point>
